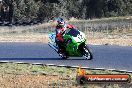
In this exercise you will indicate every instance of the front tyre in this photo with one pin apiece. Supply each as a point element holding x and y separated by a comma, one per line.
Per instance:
<point>87,53</point>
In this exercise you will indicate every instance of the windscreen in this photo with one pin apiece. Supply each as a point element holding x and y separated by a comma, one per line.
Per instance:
<point>73,32</point>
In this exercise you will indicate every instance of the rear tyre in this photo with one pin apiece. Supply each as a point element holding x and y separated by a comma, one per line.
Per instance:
<point>63,56</point>
<point>87,53</point>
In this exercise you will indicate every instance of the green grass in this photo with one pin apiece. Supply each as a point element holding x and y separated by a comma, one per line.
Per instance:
<point>63,72</point>
<point>14,68</point>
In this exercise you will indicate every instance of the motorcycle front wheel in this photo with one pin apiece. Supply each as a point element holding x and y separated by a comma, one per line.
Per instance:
<point>87,53</point>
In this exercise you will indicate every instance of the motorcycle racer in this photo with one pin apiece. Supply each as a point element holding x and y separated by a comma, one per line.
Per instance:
<point>70,43</point>
<point>60,31</point>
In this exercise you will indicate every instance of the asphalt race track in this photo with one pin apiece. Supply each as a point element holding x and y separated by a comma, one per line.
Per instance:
<point>105,56</point>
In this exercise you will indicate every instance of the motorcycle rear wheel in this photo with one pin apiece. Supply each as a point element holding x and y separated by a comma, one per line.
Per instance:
<point>63,56</point>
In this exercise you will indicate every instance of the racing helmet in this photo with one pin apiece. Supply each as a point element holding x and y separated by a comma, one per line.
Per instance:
<point>61,22</point>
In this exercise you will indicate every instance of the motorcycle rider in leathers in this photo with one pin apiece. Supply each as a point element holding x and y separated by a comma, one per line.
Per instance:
<point>60,31</point>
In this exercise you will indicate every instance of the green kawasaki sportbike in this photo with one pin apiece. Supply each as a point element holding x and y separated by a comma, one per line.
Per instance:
<point>75,44</point>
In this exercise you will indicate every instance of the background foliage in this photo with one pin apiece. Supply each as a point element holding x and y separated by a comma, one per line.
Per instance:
<point>43,10</point>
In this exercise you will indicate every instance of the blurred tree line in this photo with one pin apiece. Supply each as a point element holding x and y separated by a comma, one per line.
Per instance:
<point>44,10</point>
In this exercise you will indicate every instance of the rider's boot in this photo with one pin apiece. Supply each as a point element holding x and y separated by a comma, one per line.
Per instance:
<point>60,51</point>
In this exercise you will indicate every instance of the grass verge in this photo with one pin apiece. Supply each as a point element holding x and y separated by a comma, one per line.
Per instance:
<point>14,75</point>
<point>40,37</point>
